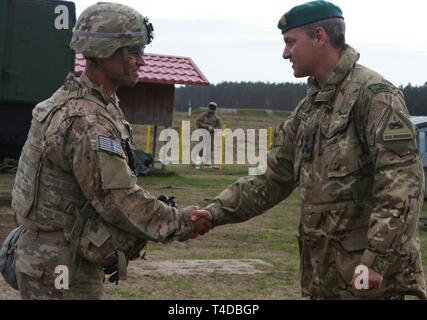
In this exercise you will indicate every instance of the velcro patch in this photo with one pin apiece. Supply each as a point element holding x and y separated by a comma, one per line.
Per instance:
<point>383,87</point>
<point>396,129</point>
<point>301,115</point>
<point>110,145</point>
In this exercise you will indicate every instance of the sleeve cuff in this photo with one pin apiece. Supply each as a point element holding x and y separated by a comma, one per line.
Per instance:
<point>217,214</point>
<point>186,227</point>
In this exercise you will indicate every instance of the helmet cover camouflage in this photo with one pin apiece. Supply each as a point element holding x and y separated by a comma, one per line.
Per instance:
<point>105,27</point>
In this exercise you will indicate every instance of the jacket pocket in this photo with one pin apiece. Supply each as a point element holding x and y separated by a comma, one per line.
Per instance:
<point>341,146</point>
<point>96,244</point>
<point>348,254</point>
<point>115,172</point>
<point>340,120</point>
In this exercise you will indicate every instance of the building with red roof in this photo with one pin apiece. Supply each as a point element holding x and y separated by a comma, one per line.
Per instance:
<point>150,101</point>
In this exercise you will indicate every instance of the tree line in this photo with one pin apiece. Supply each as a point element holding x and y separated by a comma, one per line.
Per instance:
<point>283,96</point>
<point>416,99</point>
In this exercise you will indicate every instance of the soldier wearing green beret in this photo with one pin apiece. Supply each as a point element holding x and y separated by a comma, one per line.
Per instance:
<point>350,148</point>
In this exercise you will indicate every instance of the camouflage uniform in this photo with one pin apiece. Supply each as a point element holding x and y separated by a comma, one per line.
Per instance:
<point>209,119</point>
<point>350,147</point>
<point>75,190</point>
<point>65,167</point>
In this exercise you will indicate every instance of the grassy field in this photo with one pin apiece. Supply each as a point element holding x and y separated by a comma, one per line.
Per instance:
<point>270,237</point>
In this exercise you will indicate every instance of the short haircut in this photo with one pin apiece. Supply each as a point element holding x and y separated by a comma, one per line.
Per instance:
<point>334,28</point>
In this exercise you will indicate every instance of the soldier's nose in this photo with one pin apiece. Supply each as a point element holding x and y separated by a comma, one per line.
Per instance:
<point>286,53</point>
<point>140,61</point>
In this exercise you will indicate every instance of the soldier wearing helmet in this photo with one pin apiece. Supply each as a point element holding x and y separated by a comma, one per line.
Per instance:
<point>210,121</point>
<point>75,190</point>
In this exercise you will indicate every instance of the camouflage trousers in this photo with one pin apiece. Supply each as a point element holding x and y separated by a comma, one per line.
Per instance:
<point>37,257</point>
<point>327,267</point>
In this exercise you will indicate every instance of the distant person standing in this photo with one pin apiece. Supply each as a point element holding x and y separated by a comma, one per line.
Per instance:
<point>209,121</point>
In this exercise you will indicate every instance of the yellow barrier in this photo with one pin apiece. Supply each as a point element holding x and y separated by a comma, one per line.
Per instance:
<point>148,142</point>
<point>270,137</point>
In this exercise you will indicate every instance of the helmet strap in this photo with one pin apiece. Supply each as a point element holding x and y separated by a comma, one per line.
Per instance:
<point>125,59</point>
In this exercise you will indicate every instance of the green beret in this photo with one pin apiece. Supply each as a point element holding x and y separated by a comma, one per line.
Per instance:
<point>308,12</point>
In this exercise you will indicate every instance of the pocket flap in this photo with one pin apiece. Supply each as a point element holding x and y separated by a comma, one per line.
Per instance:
<point>97,232</point>
<point>340,119</point>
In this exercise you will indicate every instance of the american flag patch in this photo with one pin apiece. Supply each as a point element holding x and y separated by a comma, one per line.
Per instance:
<point>110,145</point>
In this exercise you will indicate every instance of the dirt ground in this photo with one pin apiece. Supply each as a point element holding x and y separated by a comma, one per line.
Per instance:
<point>142,272</point>
<point>156,278</point>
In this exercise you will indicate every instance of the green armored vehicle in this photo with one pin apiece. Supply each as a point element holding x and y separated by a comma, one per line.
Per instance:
<point>35,57</point>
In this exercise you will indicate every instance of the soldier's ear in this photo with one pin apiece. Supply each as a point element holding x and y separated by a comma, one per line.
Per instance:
<point>320,37</point>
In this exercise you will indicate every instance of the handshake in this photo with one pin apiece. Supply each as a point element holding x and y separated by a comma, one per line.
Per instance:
<point>202,220</point>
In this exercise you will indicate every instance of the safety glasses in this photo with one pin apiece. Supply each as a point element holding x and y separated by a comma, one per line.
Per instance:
<point>136,50</point>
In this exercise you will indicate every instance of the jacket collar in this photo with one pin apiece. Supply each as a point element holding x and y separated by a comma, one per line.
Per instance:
<point>347,61</point>
<point>98,90</point>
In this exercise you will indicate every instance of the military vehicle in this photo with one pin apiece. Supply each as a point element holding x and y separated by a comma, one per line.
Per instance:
<point>35,57</point>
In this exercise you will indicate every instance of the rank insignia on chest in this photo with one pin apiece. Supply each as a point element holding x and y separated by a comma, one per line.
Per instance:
<point>396,129</point>
<point>308,144</point>
<point>301,115</point>
<point>110,145</point>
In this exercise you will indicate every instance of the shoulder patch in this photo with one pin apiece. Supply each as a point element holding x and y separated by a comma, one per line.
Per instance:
<point>110,145</point>
<point>383,87</point>
<point>396,129</point>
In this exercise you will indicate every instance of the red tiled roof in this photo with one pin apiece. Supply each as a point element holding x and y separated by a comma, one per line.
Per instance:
<point>161,69</point>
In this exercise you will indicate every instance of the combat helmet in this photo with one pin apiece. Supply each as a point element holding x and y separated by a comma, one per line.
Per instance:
<point>105,27</point>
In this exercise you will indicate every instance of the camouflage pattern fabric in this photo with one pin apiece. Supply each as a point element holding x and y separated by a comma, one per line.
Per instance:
<point>207,118</point>
<point>72,161</point>
<point>37,257</point>
<point>100,30</point>
<point>350,147</point>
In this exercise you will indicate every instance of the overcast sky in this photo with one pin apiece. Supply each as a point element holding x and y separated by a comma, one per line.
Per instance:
<point>238,40</point>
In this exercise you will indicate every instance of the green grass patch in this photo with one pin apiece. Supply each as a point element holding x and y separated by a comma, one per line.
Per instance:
<point>281,113</point>
<point>252,112</point>
<point>195,181</point>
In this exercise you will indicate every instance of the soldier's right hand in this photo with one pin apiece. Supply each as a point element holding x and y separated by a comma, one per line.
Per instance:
<point>202,222</point>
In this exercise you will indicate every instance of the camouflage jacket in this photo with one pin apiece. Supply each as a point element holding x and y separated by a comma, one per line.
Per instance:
<point>207,118</point>
<point>351,149</point>
<point>76,156</point>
